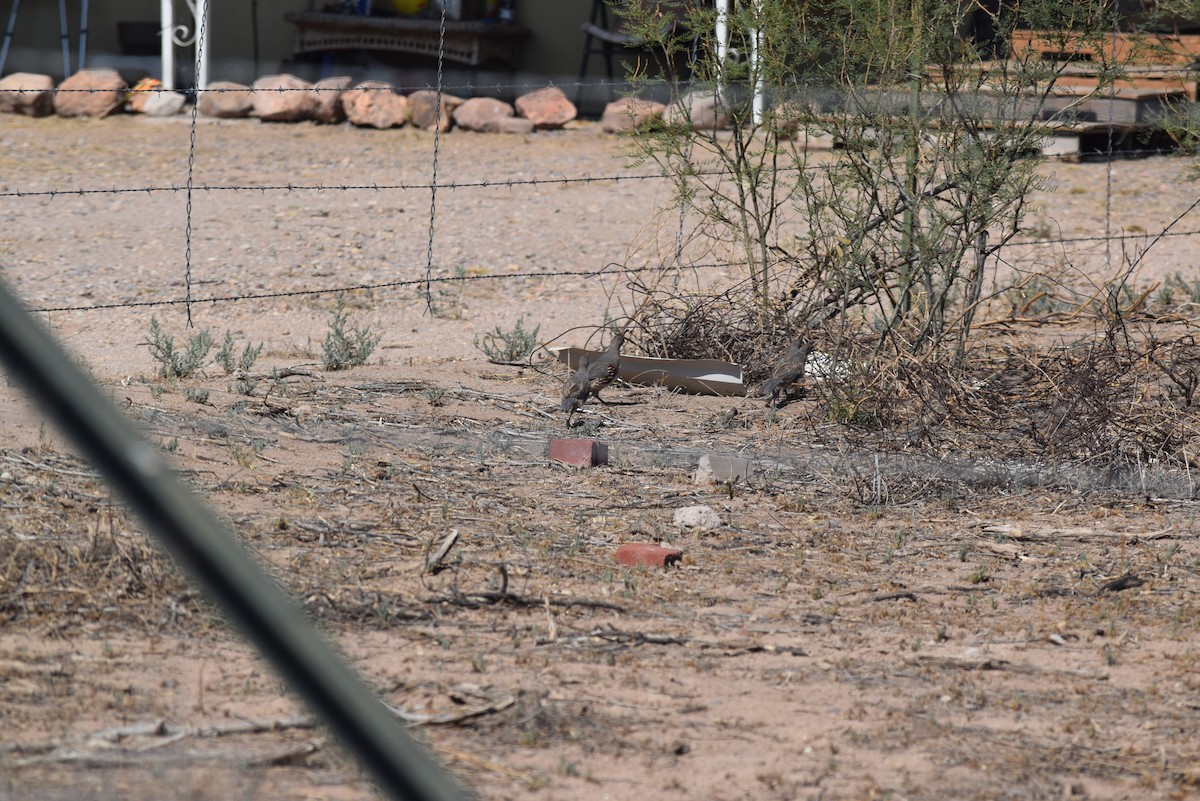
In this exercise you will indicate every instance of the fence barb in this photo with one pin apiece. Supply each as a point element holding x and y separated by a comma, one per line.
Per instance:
<point>211,554</point>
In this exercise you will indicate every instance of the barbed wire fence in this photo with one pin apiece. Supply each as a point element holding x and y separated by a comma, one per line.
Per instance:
<point>424,277</point>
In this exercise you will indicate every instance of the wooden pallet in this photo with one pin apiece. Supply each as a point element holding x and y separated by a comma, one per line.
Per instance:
<point>1177,50</point>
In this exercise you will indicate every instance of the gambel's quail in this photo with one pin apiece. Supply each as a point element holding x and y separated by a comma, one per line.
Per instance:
<point>788,369</point>
<point>593,375</point>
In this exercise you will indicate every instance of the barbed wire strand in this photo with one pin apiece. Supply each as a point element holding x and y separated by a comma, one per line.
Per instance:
<point>291,293</point>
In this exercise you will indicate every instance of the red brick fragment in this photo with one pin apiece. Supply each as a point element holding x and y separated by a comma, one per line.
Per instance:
<point>646,554</point>
<point>579,452</point>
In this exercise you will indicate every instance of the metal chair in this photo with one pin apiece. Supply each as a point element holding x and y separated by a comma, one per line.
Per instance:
<point>605,39</point>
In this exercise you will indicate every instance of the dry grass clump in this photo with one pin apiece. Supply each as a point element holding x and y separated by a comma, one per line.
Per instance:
<point>1096,385</point>
<point>71,557</point>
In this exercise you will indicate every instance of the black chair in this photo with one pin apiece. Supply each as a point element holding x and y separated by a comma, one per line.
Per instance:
<point>605,39</point>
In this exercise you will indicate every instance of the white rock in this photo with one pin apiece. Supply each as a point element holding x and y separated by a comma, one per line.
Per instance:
<point>701,517</point>
<point>163,104</point>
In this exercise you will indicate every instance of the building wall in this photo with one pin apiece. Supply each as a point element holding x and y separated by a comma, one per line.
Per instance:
<point>553,50</point>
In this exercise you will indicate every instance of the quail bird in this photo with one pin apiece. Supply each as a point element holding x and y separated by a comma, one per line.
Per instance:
<point>593,375</point>
<point>788,369</point>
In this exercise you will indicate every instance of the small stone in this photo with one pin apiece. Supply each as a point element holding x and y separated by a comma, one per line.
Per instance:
<point>723,470</point>
<point>547,108</point>
<point>514,125</point>
<point>328,92</point>
<point>644,554</point>
<point>630,114</point>
<point>482,114</point>
<point>422,106</point>
<point>91,93</point>
<point>283,98</point>
<point>226,100</point>
<point>701,517</point>
<point>375,104</point>
<point>27,93</point>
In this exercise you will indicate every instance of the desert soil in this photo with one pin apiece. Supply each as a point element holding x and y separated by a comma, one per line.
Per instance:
<point>842,634</point>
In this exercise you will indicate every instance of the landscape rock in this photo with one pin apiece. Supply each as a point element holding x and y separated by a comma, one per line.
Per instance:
<point>644,554</point>
<point>702,108</point>
<point>163,104</point>
<point>422,106</point>
<point>227,100</point>
<point>547,108</point>
<point>328,92</point>
<point>283,98</point>
<point>514,125</point>
<point>142,90</point>
<point>27,93</point>
<point>629,114</point>
<point>482,114</point>
<point>374,104</point>
<point>701,517</point>
<point>91,93</point>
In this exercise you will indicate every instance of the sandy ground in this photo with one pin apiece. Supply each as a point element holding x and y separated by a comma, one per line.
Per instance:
<point>957,639</point>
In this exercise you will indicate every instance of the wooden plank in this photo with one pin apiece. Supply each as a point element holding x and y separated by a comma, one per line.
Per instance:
<point>1126,48</point>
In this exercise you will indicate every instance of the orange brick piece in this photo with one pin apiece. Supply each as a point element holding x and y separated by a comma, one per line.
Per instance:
<point>645,554</point>
<point>579,452</point>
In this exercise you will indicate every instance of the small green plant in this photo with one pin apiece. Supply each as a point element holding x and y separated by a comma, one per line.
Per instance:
<point>508,347</point>
<point>979,575</point>
<point>436,396</point>
<point>246,454</point>
<point>196,395</point>
<point>172,363</point>
<point>229,360</point>
<point>1176,285</point>
<point>346,345</point>
<point>244,385</point>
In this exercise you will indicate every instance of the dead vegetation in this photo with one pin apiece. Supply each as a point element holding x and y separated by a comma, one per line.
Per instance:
<point>853,627</point>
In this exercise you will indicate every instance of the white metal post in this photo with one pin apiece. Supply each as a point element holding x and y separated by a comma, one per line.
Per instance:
<point>755,44</point>
<point>166,35</point>
<point>722,33</point>
<point>201,19</point>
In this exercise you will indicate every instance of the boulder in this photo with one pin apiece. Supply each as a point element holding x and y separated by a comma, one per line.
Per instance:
<point>548,108</point>
<point>702,109</point>
<point>514,125</point>
<point>329,99</point>
<point>422,105</point>
<point>629,114</point>
<point>150,98</point>
<point>163,104</point>
<point>91,93</point>
<point>283,98</point>
<point>142,90</point>
<point>481,114</point>
<point>375,104</point>
<point>27,93</point>
<point>226,99</point>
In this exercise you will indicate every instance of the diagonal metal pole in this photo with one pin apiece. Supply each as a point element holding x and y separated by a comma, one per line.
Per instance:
<point>212,556</point>
<point>83,22</point>
<point>8,32</point>
<point>66,42</point>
